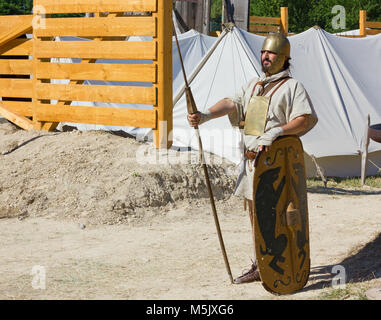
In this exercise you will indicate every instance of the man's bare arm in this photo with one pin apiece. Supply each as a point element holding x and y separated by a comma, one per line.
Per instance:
<point>296,126</point>
<point>220,109</point>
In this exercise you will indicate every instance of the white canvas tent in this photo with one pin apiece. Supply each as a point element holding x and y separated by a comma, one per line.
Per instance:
<point>340,74</point>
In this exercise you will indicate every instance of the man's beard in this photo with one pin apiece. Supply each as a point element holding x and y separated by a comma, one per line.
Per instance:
<point>266,68</point>
<point>276,65</point>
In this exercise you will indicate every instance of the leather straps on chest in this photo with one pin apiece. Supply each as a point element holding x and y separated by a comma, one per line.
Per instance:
<point>268,88</point>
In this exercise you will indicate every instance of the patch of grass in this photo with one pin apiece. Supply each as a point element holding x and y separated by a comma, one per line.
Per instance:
<point>350,292</point>
<point>345,183</point>
<point>335,294</point>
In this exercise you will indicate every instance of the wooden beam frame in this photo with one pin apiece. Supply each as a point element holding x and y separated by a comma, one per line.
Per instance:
<point>16,118</point>
<point>155,22</point>
<point>368,27</point>
<point>362,23</point>
<point>284,20</point>
<point>164,106</point>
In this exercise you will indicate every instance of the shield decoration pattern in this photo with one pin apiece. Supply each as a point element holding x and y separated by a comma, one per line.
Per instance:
<point>281,229</point>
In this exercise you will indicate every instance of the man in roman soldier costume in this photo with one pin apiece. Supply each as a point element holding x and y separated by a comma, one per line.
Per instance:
<point>266,108</point>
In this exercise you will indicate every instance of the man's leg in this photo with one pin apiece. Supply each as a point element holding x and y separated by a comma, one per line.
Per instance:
<point>253,274</point>
<point>251,214</point>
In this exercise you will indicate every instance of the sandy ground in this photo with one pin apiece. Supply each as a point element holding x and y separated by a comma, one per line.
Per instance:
<point>80,218</point>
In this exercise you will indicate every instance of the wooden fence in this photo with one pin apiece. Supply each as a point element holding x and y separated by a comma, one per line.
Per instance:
<point>67,69</point>
<point>368,28</point>
<point>264,25</point>
<point>16,68</point>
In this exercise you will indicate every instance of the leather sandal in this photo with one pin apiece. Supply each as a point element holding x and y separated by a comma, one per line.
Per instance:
<point>249,276</point>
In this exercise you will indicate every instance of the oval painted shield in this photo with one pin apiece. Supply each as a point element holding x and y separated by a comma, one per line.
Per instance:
<point>281,217</point>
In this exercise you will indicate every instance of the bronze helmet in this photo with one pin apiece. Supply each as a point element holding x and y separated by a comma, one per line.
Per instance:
<point>279,44</point>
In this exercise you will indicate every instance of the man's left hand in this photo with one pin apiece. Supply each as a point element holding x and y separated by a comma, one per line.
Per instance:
<point>268,137</point>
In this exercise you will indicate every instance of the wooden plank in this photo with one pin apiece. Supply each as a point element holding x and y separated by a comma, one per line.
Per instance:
<point>362,22</point>
<point>50,126</point>
<point>16,66</point>
<point>17,47</point>
<point>98,71</point>
<point>7,23</point>
<point>97,115</point>
<point>284,20</point>
<point>373,24</point>
<point>96,50</point>
<point>17,31</point>
<point>16,88</point>
<point>350,36</point>
<point>265,20</point>
<point>83,6</point>
<point>263,28</point>
<point>97,93</point>
<point>162,136</point>
<point>98,27</point>
<point>17,119</point>
<point>372,32</point>
<point>20,107</point>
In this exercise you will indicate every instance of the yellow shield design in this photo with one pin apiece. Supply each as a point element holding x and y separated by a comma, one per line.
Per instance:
<point>281,228</point>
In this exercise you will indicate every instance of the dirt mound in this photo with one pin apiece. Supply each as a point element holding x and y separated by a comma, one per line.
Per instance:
<point>98,176</point>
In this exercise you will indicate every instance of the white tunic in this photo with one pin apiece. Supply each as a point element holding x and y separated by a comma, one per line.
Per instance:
<point>290,101</point>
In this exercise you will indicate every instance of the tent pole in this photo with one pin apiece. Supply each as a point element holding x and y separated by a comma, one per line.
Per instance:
<point>319,170</point>
<point>364,152</point>
<point>206,17</point>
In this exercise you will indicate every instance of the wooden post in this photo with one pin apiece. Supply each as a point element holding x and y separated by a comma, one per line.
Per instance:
<point>223,13</point>
<point>362,23</point>
<point>284,20</point>
<point>240,13</point>
<point>163,130</point>
<point>364,152</point>
<point>198,9</point>
<point>192,13</point>
<point>36,124</point>
<point>206,17</point>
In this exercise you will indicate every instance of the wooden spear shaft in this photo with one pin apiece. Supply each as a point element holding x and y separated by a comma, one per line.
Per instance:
<point>191,105</point>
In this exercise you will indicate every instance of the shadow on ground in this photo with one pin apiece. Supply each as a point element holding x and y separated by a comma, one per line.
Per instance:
<point>363,265</point>
<point>340,191</point>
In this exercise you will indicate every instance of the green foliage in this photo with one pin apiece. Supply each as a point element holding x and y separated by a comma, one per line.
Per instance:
<point>322,12</point>
<point>304,14</point>
<point>8,7</point>
<point>15,7</point>
<point>215,9</point>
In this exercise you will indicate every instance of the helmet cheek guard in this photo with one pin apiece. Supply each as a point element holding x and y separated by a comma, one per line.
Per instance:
<point>279,44</point>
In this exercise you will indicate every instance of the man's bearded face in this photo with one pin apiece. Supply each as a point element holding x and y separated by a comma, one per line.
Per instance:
<point>271,62</point>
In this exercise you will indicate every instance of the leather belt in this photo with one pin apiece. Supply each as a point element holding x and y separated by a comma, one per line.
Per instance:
<point>250,154</point>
